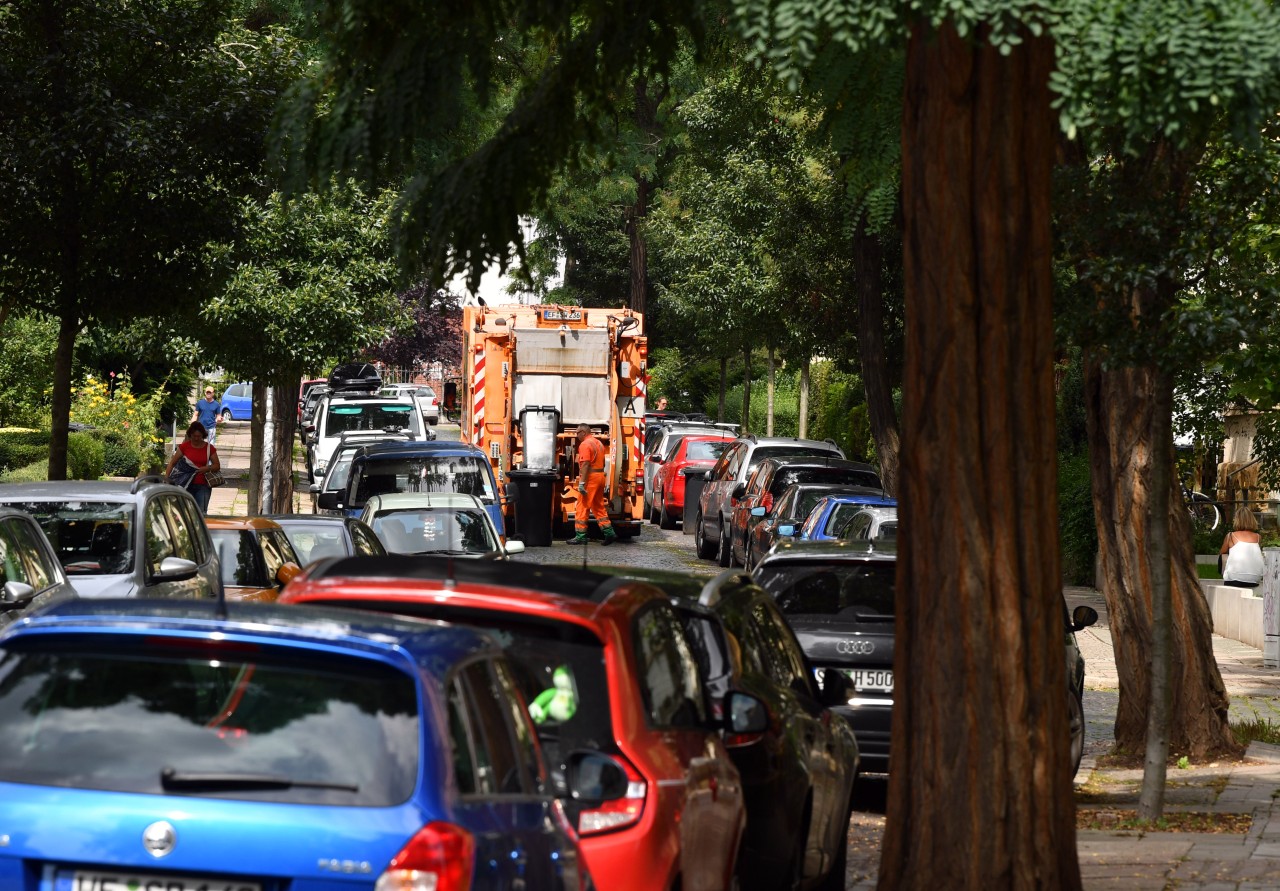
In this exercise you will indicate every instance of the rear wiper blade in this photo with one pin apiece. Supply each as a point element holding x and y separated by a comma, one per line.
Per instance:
<point>171,778</point>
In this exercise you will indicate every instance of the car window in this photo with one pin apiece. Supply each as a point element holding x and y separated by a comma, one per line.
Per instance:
<point>463,740</point>
<point>734,463</point>
<point>15,568</point>
<point>667,670</point>
<point>88,537</point>
<point>859,526</point>
<point>525,736</point>
<point>41,567</point>
<point>183,538</point>
<point>832,476</point>
<point>782,656</point>
<point>239,557</point>
<point>190,511</point>
<point>711,649</point>
<point>499,770</point>
<point>842,514</point>
<point>859,590</point>
<point>159,536</point>
<point>791,452</point>
<point>344,416</point>
<point>888,531</point>
<point>705,450</point>
<point>463,474</point>
<point>312,541</point>
<point>756,480</point>
<point>349,726</point>
<point>365,542</point>
<point>276,551</point>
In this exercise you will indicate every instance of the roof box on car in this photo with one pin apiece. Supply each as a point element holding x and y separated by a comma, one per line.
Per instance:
<point>355,376</point>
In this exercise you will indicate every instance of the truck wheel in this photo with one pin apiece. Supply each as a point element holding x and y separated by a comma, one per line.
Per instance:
<point>700,543</point>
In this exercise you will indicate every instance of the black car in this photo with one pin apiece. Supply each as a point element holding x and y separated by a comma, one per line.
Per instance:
<point>790,510</point>
<point>799,774</point>
<point>773,476</point>
<point>315,536</point>
<point>839,597</point>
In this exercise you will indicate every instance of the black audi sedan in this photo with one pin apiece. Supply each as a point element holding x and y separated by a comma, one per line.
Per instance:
<point>839,598</point>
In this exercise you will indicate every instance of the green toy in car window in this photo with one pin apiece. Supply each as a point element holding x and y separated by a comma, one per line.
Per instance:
<point>558,702</point>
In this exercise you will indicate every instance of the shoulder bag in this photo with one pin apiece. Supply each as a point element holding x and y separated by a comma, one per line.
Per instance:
<point>212,478</point>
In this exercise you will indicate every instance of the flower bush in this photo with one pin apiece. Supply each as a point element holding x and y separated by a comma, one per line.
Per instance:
<point>124,418</point>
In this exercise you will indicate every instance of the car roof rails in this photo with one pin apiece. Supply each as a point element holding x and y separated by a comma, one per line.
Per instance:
<point>149,479</point>
<point>709,596</point>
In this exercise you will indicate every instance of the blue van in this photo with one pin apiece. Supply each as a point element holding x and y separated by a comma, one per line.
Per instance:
<point>415,466</point>
<point>237,402</point>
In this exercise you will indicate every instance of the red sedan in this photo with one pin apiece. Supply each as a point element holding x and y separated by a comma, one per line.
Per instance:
<point>694,453</point>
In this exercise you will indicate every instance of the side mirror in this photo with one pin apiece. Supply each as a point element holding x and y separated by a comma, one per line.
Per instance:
<point>1082,617</point>
<point>329,501</point>
<point>175,569</point>
<point>745,714</point>
<point>514,546</point>
<point>314,488</point>
<point>287,573</point>
<point>594,776</point>
<point>707,475</point>
<point>786,530</point>
<point>837,689</point>
<point>739,490</point>
<point>16,593</point>
<point>757,512</point>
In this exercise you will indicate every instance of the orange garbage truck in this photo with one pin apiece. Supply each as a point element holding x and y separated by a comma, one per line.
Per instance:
<point>531,374</point>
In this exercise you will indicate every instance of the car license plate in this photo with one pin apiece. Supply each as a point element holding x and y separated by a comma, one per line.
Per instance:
<point>866,680</point>
<point>102,880</point>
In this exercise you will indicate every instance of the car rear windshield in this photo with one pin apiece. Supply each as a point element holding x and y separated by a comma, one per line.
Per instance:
<point>89,537</point>
<point>707,450</point>
<point>311,541</point>
<point>369,416</point>
<point>835,476</point>
<point>841,516</point>
<point>427,530</point>
<point>789,452</point>
<point>464,474</point>
<point>847,589</point>
<point>189,717</point>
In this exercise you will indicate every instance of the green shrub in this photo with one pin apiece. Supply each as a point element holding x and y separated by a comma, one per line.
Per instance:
<point>84,457</point>
<point>1077,532</point>
<point>1206,540</point>
<point>20,446</point>
<point>119,458</point>
<point>35,472</point>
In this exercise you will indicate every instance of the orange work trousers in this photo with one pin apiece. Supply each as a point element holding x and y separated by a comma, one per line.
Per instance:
<point>591,502</point>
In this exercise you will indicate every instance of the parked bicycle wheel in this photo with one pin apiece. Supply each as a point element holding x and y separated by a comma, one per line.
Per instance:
<point>1203,510</point>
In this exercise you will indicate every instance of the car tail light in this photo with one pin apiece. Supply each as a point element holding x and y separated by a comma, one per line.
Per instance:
<point>438,858</point>
<point>610,816</point>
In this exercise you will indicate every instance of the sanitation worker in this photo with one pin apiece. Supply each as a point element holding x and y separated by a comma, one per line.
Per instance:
<point>591,488</point>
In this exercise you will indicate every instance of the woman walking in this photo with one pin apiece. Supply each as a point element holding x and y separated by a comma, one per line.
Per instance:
<point>200,456</point>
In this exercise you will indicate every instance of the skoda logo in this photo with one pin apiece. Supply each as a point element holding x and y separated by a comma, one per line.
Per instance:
<point>855,647</point>
<point>159,838</point>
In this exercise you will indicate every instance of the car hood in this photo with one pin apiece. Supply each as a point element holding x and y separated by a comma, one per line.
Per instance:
<point>105,585</point>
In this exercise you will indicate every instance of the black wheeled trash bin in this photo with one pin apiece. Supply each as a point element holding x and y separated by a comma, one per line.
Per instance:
<point>535,494</point>
<point>693,483</point>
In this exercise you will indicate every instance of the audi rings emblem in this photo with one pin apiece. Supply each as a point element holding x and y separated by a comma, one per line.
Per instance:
<point>855,647</point>
<point>159,838</point>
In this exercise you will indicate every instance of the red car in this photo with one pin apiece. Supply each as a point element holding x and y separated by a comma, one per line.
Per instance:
<point>614,688</point>
<point>694,453</point>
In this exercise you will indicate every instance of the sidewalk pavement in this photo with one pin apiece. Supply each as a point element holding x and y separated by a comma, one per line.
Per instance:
<point>232,499</point>
<point>1128,860</point>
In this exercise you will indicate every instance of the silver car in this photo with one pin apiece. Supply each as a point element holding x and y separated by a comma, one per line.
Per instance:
<point>137,538</point>
<point>660,444</point>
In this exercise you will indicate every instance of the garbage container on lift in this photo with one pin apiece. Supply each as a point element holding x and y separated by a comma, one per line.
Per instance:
<point>693,483</point>
<point>534,500</point>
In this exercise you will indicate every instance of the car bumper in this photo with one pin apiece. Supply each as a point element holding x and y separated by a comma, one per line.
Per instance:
<point>871,722</point>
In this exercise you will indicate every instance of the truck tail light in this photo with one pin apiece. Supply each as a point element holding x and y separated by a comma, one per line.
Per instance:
<point>438,858</point>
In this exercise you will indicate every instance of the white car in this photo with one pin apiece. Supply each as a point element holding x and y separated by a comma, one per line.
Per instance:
<point>422,395</point>
<point>341,413</point>
<point>436,523</point>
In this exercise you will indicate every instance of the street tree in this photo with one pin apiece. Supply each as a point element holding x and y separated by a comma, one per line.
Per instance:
<point>431,332</point>
<point>126,131</point>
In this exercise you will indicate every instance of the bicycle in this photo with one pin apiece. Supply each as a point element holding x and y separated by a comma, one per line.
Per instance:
<point>1202,508</point>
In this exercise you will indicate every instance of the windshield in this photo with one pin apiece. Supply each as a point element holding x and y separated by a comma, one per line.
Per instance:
<point>706,451</point>
<point>89,537</point>
<point>423,530</point>
<point>789,452</point>
<point>342,731</point>
<point>464,474</point>
<point>311,541</point>
<point>849,589</point>
<point>370,416</point>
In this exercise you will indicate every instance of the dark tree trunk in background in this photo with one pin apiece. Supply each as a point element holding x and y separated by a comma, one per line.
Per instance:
<point>724,386</point>
<point>746,390</point>
<point>803,431</point>
<point>980,793</point>
<point>68,327</point>
<point>769,391</point>
<point>1119,404</point>
<point>284,412</point>
<point>869,263</point>
<point>639,297</point>
<point>257,423</point>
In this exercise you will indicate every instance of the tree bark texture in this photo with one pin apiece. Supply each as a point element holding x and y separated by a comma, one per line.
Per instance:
<point>769,388</point>
<point>635,214</point>
<point>257,421</point>
<point>1119,403</point>
<point>746,390</point>
<point>980,793</point>
<point>284,405</point>
<point>803,432</point>
<point>60,410</point>
<point>724,386</point>
<point>869,264</point>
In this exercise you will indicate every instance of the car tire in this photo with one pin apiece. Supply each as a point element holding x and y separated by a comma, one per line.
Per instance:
<point>700,543</point>
<point>226,415</point>
<point>665,520</point>
<point>653,514</point>
<point>1076,722</point>
<point>724,555</point>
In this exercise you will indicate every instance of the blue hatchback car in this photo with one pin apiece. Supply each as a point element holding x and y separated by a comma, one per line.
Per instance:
<point>415,466</point>
<point>827,520</point>
<point>154,745</point>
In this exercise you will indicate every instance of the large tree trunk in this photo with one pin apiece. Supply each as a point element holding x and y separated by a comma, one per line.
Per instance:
<point>980,793</point>
<point>257,421</point>
<point>803,431</point>
<point>1119,403</point>
<point>724,387</point>
<point>869,263</point>
<point>284,404</point>
<point>63,356</point>
<point>635,214</point>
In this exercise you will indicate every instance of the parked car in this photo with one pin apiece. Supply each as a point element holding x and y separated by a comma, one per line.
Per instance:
<point>691,451</point>
<point>840,599</point>
<point>256,557</point>
<point>275,748</point>
<point>789,512</point>
<point>338,467</point>
<point>341,413</point>
<point>610,676</point>
<point>436,522</point>
<point>136,538</point>
<point>306,387</point>
<point>422,395</point>
<point>659,443</point>
<point>754,499</point>
<point>383,468</point>
<point>306,420</point>
<point>715,505</point>
<point>798,773</point>
<point>316,536</point>
<point>873,524</point>
<point>356,376</point>
<point>830,516</point>
<point>30,574</point>
<point>237,402</point>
